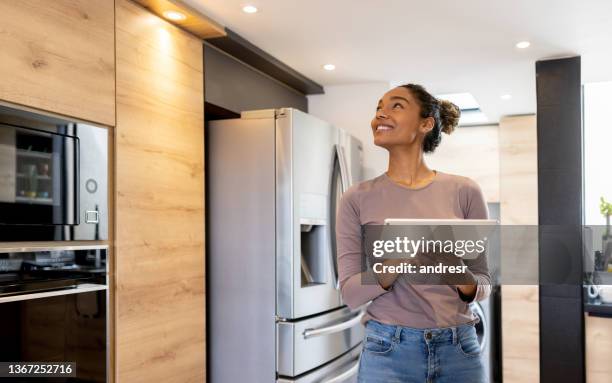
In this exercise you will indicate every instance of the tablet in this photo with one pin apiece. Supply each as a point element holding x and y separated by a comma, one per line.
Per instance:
<point>440,222</point>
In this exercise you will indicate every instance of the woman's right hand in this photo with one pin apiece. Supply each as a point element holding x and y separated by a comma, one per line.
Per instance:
<point>386,280</point>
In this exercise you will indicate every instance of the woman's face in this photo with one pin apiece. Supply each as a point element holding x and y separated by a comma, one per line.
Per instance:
<point>398,121</point>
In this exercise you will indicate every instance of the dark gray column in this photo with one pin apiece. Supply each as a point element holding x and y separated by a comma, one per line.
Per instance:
<point>560,219</point>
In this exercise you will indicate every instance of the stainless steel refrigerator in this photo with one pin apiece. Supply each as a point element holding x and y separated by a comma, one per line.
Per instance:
<point>275,314</point>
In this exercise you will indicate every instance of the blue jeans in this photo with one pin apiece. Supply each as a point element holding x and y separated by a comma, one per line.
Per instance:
<point>396,354</point>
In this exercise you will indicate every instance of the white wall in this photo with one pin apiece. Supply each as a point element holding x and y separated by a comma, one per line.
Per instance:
<point>352,107</point>
<point>597,141</point>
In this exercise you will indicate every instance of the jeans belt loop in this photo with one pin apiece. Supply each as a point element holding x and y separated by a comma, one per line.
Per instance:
<point>454,329</point>
<point>398,333</point>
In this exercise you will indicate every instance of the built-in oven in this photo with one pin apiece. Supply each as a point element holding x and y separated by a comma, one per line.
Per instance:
<point>53,310</point>
<point>53,178</point>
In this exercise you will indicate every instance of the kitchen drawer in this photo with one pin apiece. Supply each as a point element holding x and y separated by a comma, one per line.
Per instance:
<point>306,344</point>
<point>341,370</point>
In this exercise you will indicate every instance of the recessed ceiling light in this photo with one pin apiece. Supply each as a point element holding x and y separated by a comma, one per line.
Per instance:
<point>523,44</point>
<point>506,96</point>
<point>174,15</point>
<point>249,9</point>
<point>329,67</point>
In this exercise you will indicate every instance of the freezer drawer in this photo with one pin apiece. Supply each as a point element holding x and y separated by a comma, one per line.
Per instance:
<point>306,344</point>
<point>341,370</point>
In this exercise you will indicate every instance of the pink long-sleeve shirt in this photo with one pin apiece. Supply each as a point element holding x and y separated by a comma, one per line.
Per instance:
<point>406,304</point>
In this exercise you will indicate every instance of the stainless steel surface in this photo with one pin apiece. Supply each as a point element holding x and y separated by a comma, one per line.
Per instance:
<point>269,259</point>
<point>83,288</point>
<point>353,152</point>
<point>342,370</point>
<point>92,216</point>
<point>298,353</point>
<point>326,330</point>
<point>240,266</point>
<point>345,375</point>
<point>305,149</point>
<point>339,184</point>
<point>92,183</point>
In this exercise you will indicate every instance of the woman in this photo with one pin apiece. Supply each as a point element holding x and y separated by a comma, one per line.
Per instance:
<point>414,332</point>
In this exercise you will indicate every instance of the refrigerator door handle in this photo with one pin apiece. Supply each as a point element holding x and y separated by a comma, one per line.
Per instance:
<point>313,332</point>
<point>346,183</point>
<point>343,376</point>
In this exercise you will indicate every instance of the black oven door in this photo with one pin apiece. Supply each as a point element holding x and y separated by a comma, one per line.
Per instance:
<point>39,176</point>
<point>62,326</point>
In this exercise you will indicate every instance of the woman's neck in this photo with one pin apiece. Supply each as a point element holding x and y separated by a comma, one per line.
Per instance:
<point>407,167</point>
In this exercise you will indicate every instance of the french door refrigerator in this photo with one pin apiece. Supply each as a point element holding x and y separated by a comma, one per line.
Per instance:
<point>275,314</point>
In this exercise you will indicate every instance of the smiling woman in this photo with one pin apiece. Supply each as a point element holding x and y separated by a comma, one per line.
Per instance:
<point>428,329</point>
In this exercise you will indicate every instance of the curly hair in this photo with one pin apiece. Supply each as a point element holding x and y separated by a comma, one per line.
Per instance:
<point>445,114</point>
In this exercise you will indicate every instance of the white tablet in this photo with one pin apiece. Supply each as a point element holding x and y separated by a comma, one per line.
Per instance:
<point>440,222</point>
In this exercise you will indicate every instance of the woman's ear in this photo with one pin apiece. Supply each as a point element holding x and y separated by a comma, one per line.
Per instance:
<point>427,125</point>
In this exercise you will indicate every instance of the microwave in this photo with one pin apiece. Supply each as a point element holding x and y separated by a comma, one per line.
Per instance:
<point>53,178</point>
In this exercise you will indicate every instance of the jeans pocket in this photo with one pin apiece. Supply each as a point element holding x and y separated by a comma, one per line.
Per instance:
<point>467,343</point>
<point>377,343</point>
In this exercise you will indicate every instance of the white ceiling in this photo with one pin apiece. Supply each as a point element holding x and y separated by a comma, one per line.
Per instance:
<point>448,46</point>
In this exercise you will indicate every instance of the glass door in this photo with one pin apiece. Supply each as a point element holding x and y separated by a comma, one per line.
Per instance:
<point>38,177</point>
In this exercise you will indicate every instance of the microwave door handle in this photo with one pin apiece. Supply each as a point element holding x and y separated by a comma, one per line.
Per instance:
<point>313,332</point>
<point>343,376</point>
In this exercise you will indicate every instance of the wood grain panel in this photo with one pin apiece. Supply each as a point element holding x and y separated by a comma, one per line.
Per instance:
<point>59,56</point>
<point>195,22</point>
<point>520,333</point>
<point>518,162</point>
<point>519,206</point>
<point>159,263</point>
<point>472,152</point>
<point>598,342</point>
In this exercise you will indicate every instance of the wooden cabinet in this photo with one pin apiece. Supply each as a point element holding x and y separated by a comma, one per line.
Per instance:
<point>472,152</point>
<point>59,56</point>
<point>159,258</point>
<point>598,344</point>
<point>518,191</point>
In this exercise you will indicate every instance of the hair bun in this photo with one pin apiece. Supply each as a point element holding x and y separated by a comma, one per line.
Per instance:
<point>449,116</point>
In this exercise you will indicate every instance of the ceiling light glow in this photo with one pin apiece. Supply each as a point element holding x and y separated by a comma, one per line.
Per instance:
<point>465,100</point>
<point>329,67</point>
<point>174,15</point>
<point>249,9</point>
<point>523,44</point>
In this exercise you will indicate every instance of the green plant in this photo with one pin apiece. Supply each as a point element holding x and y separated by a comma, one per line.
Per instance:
<point>606,210</point>
<point>605,207</point>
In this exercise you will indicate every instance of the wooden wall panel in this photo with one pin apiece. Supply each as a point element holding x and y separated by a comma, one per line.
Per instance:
<point>519,206</point>
<point>598,339</point>
<point>518,146</point>
<point>472,152</point>
<point>59,56</point>
<point>159,263</point>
